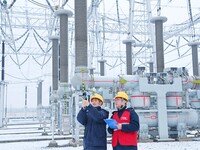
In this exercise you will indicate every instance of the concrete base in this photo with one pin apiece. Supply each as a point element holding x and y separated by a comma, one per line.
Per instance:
<point>164,140</point>
<point>145,140</point>
<point>59,132</point>
<point>74,143</point>
<point>196,139</point>
<point>53,144</point>
<point>44,133</point>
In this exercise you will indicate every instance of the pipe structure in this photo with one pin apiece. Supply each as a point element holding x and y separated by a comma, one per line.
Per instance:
<point>158,104</point>
<point>125,81</point>
<point>159,20</point>
<point>195,63</point>
<point>129,64</point>
<point>175,116</point>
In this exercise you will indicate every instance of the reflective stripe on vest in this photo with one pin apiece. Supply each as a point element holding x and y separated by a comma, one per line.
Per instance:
<point>124,138</point>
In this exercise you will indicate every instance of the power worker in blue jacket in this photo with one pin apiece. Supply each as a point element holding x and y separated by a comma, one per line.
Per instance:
<point>125,136</point>
<point>92,117</point>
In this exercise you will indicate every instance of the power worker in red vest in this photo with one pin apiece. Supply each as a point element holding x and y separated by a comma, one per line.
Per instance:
<point>124,137</point>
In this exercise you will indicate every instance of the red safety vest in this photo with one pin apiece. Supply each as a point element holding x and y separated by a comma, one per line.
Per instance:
<point>124,138</point>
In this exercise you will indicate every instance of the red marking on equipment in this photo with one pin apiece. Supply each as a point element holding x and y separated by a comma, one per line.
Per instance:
<point>104,81</point>
<point>171,116</point>
<point>151,117</point>
<point>176,97</point>
<point>144,101</point>
<point>141,96</point>
<point>195,101</point>
<point>155,117</point>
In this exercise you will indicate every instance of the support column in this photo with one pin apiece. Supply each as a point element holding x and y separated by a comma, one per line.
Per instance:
<point>2,89</point>
<point>102,67</point>
<point>63,86</point>
<point>2,85</point>
<point>91,71</point>
<point>81,33</point>
<point>81,58</point>
<point>195,63</point>
<point>55,48</point>
<point>150,66</point>
<point>129,64</point>
<point>39,94</point>
<point>39,103</point>
<point>159,41</point>
<point>63,14</point>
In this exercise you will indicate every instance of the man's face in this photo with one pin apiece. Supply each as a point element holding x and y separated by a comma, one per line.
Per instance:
<point>96,102</point>
<point>119,102</point>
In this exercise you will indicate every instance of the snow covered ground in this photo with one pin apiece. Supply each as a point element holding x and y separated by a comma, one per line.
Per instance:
<point>42,145</point>
<point>32,139</point>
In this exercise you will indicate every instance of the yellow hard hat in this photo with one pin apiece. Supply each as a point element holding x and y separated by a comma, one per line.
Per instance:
<point>122,95</point>
<point>98,96</point>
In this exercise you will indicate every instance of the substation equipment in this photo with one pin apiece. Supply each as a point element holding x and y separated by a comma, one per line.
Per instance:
<point>167,102</point>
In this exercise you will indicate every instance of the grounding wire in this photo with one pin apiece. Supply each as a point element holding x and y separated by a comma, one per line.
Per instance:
<point>169,44</point>
<point>38,4</point>
<point>13,2</point>
<point>38,43</point>
<point>140,51</point>
<point>45,62</point>
<point>19,65</point>
<point>185,52</point>
<point>142,63</point>
<point>191,17</point>
<point>36,61</point>
<point>46,52</point>
<point>178,58</point>
<point>65,2</point>
<point>50,6</point>
<point>175,48</point>
<point>185,39</point>
<point>40,36</point>
<point>16,77</point>
<point>23,42</point>
<point>22,35</point>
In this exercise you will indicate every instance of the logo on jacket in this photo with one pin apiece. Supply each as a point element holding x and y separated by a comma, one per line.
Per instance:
<point>124,118</point>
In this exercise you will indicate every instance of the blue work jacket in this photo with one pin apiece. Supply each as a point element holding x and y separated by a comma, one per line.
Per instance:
<point>95,127</point>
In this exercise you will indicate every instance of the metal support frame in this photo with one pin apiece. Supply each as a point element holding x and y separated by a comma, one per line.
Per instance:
<point>161,90</point>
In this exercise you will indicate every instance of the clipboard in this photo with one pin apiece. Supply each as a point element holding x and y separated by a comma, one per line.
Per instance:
<point>111,123</point>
